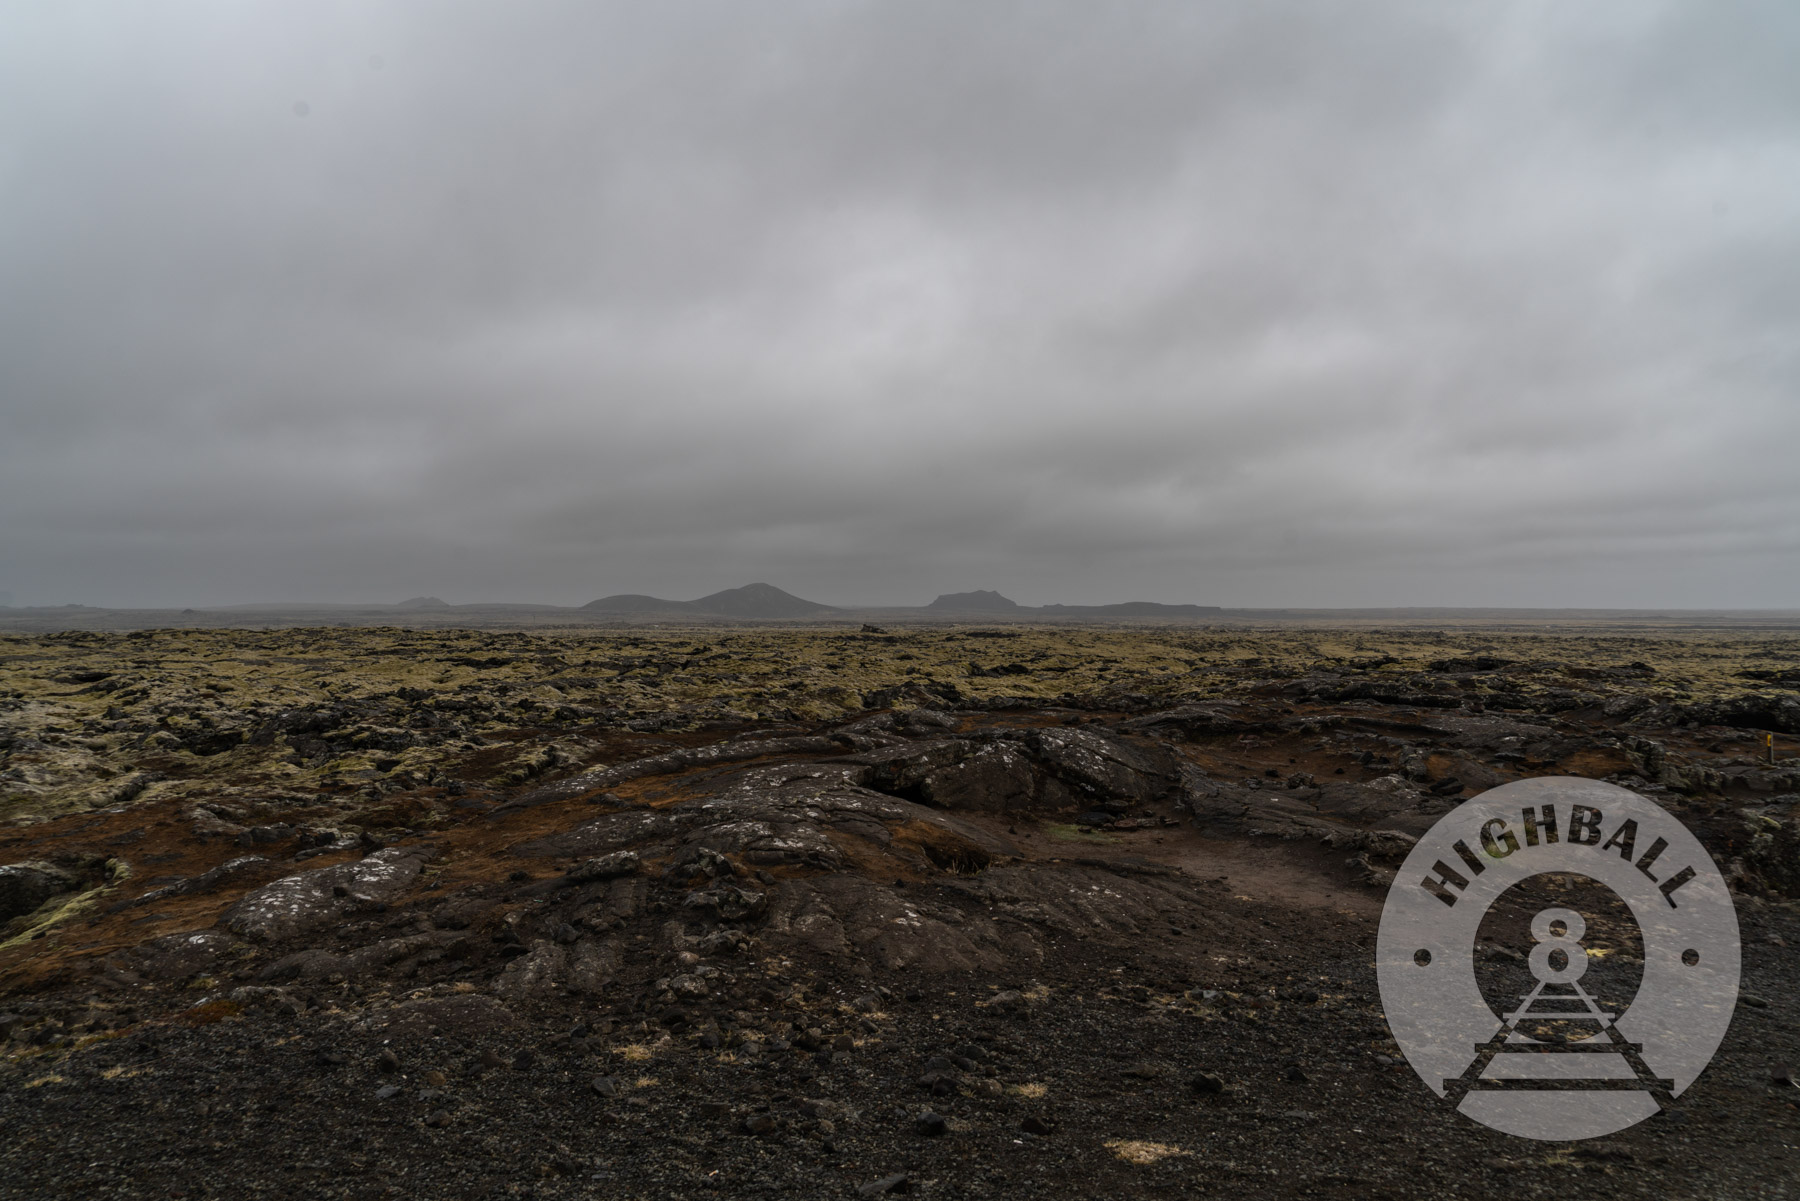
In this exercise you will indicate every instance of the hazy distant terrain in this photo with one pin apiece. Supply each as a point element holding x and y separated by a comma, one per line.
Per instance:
<point>766,603</point>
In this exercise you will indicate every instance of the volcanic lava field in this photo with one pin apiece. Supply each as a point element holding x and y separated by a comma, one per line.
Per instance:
<point>947,910</point>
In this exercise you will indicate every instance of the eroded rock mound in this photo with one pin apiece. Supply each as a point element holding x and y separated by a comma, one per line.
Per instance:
<point>960,774</point>
<point>309,900</point>
<point>24,887</point>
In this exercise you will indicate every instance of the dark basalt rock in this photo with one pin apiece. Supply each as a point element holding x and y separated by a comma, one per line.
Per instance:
<point>24,887</point>
<point>613,832</point>
<point>959,774</point>
<point>311,899</point>
<point>1105,770</point>
<point>1779,714</point>
<point>177,957</point>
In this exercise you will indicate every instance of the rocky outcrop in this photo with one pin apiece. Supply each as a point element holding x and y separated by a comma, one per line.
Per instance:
<point>771,819</point>
<point>642,828</point>
<point>319,964</point>
<point>1006,919</point>
<point>309,900</point>
<point>850,917</point>
<point>1770,863</point>
<point>1102,771</point>
<point>206,881</point>
<point>682,760</point>
<point>24,887</point>
<point>1779,714</point>
<point>533,974</point>
<point>174,958</point>
<point>1194,721</point>
<point>585,969</point>
<point>958,774</point>
<point>592,966</point>
<point>1045,770</point>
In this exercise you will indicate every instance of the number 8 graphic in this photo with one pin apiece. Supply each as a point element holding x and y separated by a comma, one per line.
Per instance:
<point>1568,944</point>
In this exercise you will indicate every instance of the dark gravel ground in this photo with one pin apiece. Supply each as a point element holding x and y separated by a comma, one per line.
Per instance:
<point>1040,1095</point>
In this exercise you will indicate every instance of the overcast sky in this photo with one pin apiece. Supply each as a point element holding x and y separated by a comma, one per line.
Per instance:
<point>1251,304</point>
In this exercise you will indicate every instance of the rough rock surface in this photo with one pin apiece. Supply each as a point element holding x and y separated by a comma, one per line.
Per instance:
<point>206,881</point>
<point>26,886</point>
<point>308,900</point>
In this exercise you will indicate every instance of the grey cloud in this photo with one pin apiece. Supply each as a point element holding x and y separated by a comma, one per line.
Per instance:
<point>1267,305</point>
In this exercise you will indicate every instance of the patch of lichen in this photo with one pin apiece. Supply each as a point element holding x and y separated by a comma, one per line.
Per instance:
<point>97,720</point>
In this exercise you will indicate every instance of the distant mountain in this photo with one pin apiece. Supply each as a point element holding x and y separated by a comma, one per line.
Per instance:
<point>974,602</point>
<point>760,600</point>
<point>764,601</point>
<point>1128,609</point>
<point>423,602</point>
<point>636,602</point>
<point>993,602</point>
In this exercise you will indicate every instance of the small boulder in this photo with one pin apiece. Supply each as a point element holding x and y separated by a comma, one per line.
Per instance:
<point>532,974</point>
<point>323,896</point>
<point>26,886</point>
<point>606,867</point>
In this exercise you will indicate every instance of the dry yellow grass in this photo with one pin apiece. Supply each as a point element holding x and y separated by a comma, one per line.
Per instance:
<point>1142,1153</point>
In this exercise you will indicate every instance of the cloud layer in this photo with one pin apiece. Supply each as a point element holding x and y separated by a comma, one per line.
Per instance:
<point>1270,304</point>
